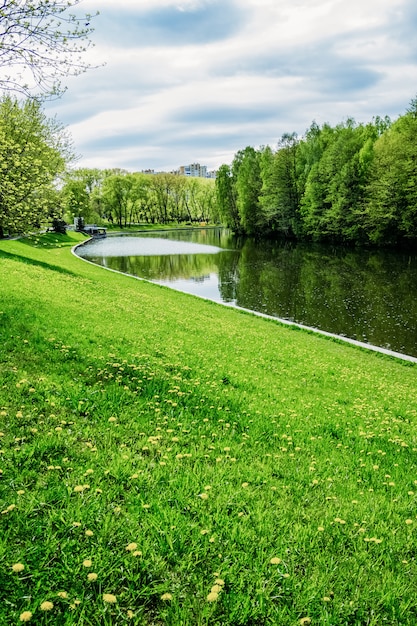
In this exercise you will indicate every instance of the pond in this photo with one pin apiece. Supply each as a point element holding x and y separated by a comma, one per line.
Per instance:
<point>366,295</point>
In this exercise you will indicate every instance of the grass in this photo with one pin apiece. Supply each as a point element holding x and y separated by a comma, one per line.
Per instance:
<point>169,461</point>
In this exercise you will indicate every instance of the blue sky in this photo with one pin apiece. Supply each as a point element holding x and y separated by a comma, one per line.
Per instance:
<point>196,80</point>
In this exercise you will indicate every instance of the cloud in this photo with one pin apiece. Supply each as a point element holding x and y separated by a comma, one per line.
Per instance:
<point>196,23</point>
<point>197,80</point>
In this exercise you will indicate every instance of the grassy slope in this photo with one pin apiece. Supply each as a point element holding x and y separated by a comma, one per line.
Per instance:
<point>213,439</point>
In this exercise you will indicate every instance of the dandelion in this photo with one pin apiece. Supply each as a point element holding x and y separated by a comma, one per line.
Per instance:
<point>219,581</point>
<point>320,529</point>
<point>408,521</point>
<point>137,553</point>
<point>79,488</point>
<point>166,597</point>
<point>87,563</point>
<point>76,524</point>
<point>62,594</point>
<point>275,560</point>
<point>20,492</point>
<point>89,533</point>
<point>244,485</point>
<point>112,419</point>
<point>130,614</point>
<point>26,616</point>
<point>18,567</point>
<point>91,577</point>
<point>131,546</point>
<point>109,598</point>
<point>46,606</point>
<point>305,621</point>
<point>204,496</point>
<point>204,532</point>
<point>216,589</point>
<point>212,596</point>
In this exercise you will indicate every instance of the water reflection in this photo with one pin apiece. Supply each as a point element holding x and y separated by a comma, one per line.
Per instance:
<point>366,295</point>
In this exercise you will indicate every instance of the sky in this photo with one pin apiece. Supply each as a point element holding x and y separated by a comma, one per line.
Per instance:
<point>194,81</point>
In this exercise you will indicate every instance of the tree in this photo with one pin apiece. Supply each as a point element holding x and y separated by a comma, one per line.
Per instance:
<point>226,198</point>
<point>391,208</point>
<point>40,42</point>
<point>280,200</point>
<point>248,187</point>
<point>33,152</point>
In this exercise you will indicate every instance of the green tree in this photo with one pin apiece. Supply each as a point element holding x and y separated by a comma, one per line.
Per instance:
<point>41,42</point>
<point>226,198</point>
<point>391,208</point>
<point>34,150</point>
<point>248,188</point>
<point>280,198</point>
<point>116,195</point>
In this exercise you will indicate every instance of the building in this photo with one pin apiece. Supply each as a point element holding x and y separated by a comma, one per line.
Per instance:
<point>194,170</point>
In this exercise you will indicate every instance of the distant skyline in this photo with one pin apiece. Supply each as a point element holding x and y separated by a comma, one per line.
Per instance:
<point>190,81</point>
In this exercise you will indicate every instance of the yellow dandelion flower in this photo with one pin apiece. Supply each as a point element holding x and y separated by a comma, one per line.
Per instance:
<point>212,596</point>
<point>46,606</point>
<point>130,614</point>
<point>216,589</point>
<point>87,562</point>
<point>244,485</point>
<point>62,594</point>
<point>204,532</point>
<point>26,616</point>
<point>137,553</point>
<point>18,567</point>
<point>212,540</point>
<point>204,496</point>
<point>109,598</point>
<point>408,521</point>
<point>76,524</point>
<point>320,529</point>
<point>89,533</point>
<point>326,599</point>
<point>219,581</point>
<point>131,546</point>
<point>166,597</point>
<point>91,577</point>
<point>305,621</point>
<point>78,488</point>
<point>112,419</point>
<point>20,492</point>
<point>275,560</point>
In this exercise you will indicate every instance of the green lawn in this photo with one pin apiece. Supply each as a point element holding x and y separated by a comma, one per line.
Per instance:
<point>169,461</point>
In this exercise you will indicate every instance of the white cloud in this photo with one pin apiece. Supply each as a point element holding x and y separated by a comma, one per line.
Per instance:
<point>191,80</point>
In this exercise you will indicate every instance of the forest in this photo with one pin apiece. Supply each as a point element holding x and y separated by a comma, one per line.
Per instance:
<point>352,183</point>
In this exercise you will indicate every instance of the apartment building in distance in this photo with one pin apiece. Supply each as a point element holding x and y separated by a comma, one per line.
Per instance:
<point>196,170</point>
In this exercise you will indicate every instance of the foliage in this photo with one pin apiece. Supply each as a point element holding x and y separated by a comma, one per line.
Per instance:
<point>208,468</point>
<point>353,183</point>
<point>125,198</point>
<point>33,151</point>
<point>40,43</point>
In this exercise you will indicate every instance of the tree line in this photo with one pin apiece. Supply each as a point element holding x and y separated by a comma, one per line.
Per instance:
<point>125,198</point>
<point>352,183</point>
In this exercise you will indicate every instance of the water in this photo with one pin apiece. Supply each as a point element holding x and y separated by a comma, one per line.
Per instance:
<point>367,295</point>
